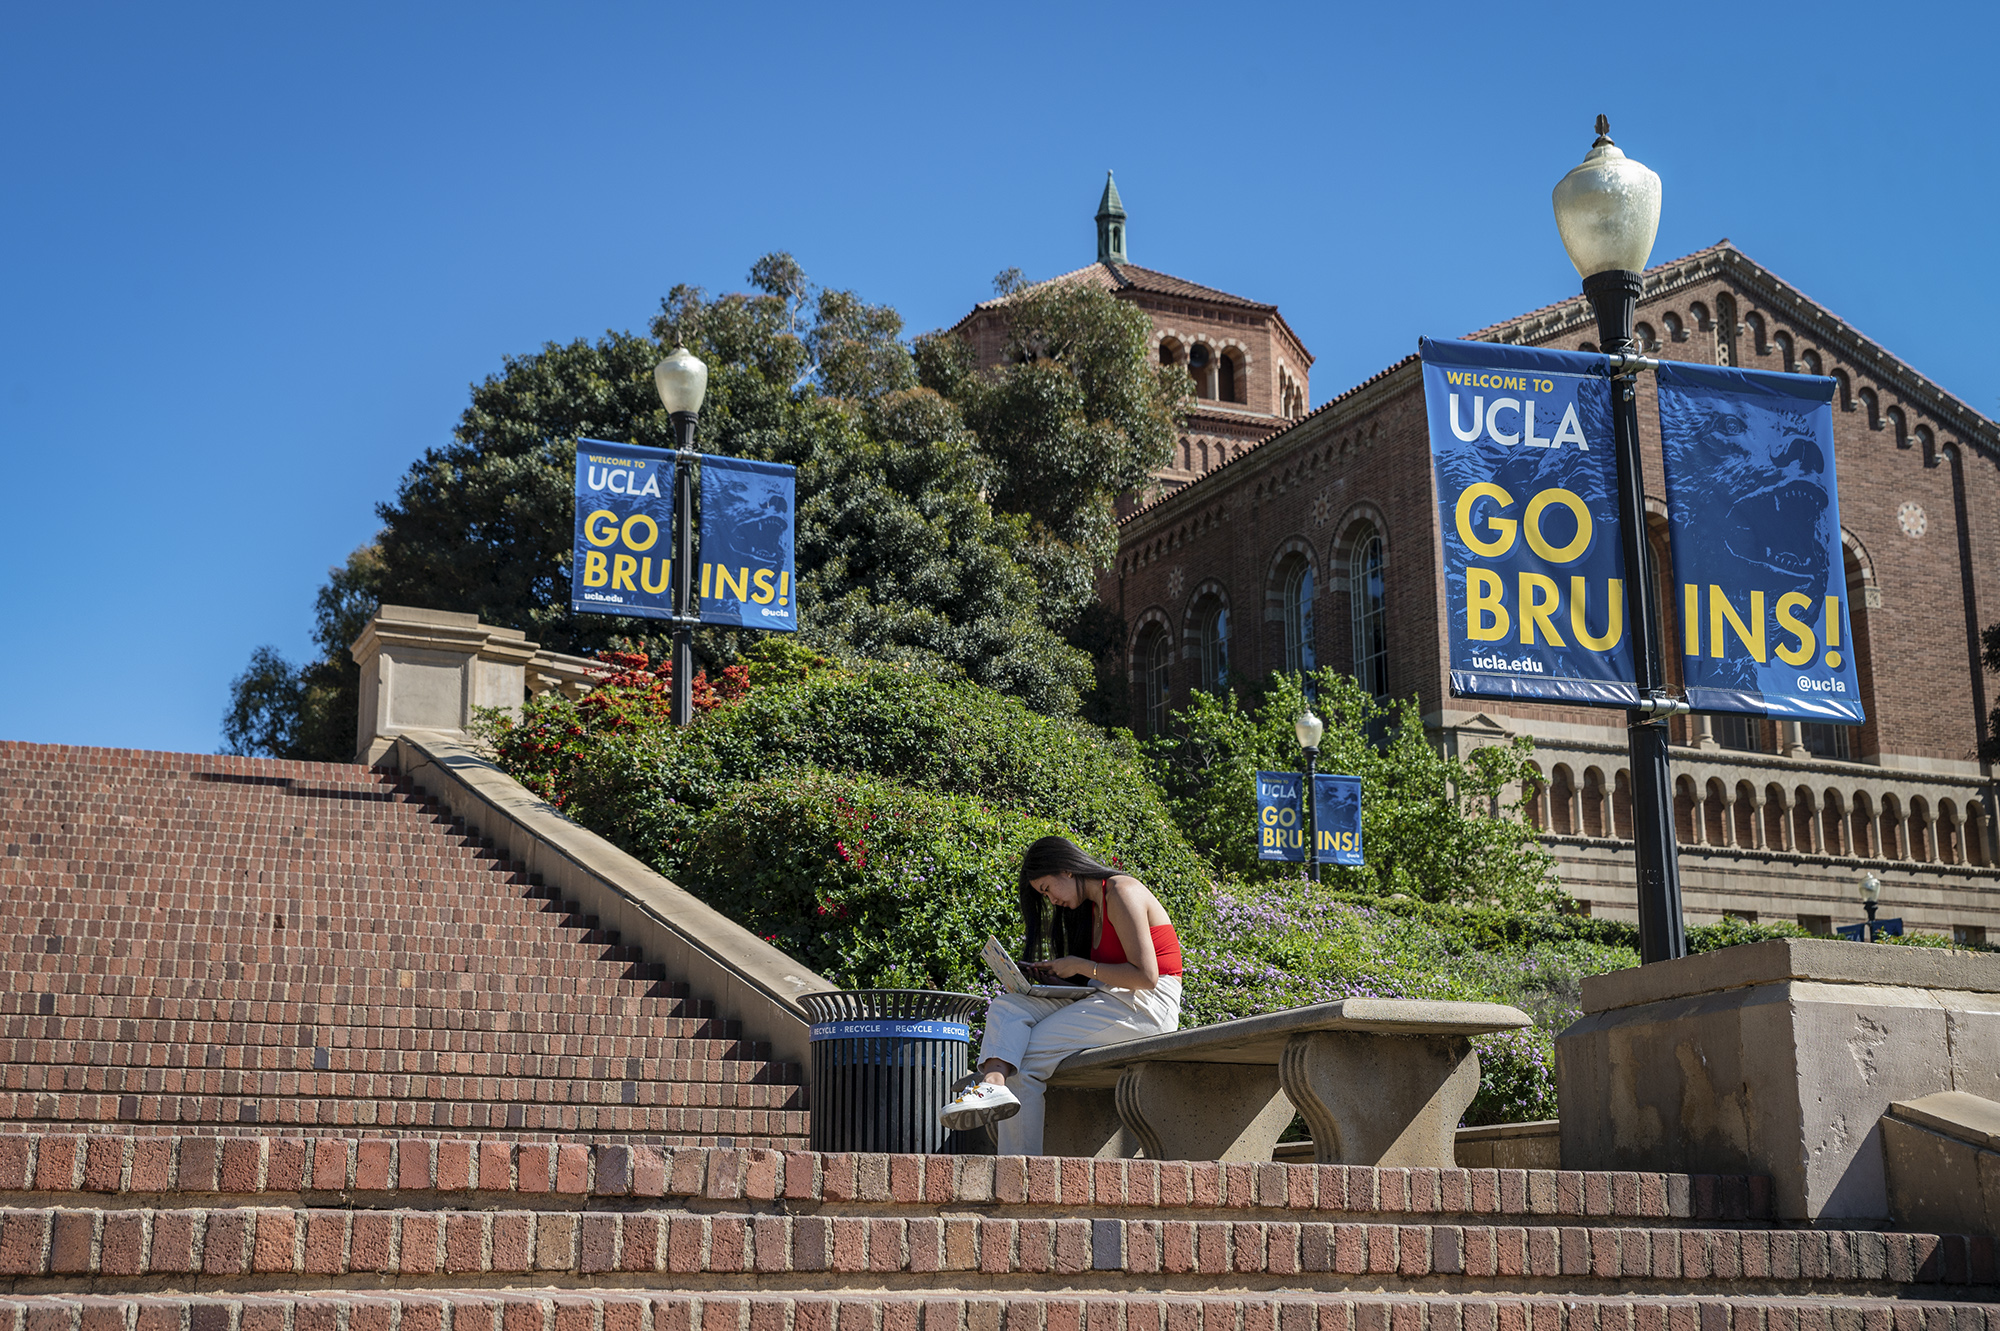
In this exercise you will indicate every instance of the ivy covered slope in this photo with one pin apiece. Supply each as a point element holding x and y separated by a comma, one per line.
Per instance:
<point>868,820</point>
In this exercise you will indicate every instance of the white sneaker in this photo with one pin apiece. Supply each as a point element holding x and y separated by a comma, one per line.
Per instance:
<point>981,1103</point>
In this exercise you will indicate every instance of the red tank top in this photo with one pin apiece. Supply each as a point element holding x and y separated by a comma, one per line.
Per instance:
<point>1110,949</point>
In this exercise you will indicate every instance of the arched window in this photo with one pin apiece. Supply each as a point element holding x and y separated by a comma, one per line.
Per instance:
<point>1198,367</point>
<point>1226,376</point>
<point>1295,586</point>
<point>1809,362</point>
<point>1153,658</point>
<point>1874,406</point>
<point>1758,338</point>
<point>1900,425</point>
<point>1208,639</point>
<point>1367,608</point>
<point>1676,330</point>
<point>1783,342</point>
<point>1843,390</point>
<point>1648,340</point>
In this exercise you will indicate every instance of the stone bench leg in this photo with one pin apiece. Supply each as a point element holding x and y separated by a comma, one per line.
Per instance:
<point>1084,1122</point>
<point>1203,1111</point>
<point>1381,1099</point>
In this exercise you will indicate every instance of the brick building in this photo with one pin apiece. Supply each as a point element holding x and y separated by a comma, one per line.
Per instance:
<point>1317,544</point>
<point>1251,373</point>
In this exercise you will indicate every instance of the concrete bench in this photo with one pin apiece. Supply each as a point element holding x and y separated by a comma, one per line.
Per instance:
<point>1380,1081</point>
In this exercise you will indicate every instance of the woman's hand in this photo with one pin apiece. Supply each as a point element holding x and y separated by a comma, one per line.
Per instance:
<point>1067,967</point>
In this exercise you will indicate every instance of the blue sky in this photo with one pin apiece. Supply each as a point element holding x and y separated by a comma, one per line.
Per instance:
<point>255,254</point>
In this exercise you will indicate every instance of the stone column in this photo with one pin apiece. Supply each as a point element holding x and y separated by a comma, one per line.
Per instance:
<point>1704,732</point>
<point>1791,741</point>
<point>1758,834</point>
<point>428,670</point>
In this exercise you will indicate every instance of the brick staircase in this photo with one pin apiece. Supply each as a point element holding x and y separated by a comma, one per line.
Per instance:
<point>330,1234</point>
<point>237,945</point>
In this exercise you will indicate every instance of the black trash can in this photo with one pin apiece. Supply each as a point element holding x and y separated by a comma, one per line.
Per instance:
<point>883,1063</point>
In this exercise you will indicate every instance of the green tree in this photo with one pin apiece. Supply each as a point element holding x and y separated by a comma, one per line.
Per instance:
<point>903,553</point>
<point>1435,828</point>
<point>1079,413</point>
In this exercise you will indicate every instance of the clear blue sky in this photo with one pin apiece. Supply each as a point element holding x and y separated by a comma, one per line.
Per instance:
<point>255,254</point>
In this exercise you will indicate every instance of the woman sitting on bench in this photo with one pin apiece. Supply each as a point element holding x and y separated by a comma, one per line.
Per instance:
<point>1112,932</point>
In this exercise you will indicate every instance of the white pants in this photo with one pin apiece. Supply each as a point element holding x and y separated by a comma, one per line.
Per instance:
<point>1034,1034</point>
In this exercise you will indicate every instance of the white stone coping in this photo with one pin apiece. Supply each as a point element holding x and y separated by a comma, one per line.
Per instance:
<point>747,979</point>
<point>1821,960</point>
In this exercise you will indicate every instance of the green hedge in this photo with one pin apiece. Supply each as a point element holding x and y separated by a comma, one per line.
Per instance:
<point>745,808</point>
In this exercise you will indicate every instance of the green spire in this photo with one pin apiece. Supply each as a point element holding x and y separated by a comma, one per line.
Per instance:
<point>1111,224</point>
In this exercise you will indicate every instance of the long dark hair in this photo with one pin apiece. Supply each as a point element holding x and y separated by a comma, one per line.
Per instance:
<point>1068,934</point>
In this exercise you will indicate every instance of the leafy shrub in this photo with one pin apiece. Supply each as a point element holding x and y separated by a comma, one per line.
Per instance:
<point>869,882</point>
<point>1435,827</point>
<point>725,807</point>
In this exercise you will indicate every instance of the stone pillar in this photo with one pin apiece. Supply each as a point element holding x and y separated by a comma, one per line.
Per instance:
<point>428,670</point>
<point>1704,732</point>
<point>1791,740</point>
<point>1775,1058</point>
<point>1758,833</point>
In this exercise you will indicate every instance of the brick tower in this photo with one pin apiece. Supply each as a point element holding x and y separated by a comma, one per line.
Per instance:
<point>1249,368</point>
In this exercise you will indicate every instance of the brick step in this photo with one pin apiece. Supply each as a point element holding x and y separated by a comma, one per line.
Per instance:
<point>711,1111</point>
<point>157,993</point>
<point>948,1309</point>
<point>53,1168</point>
<point>778,1251</point>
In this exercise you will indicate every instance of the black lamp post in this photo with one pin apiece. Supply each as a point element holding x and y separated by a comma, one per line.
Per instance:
<point>682,381</point>
<point>1871,893</point>
<point>1608,211</point>
<point>1309,729</point>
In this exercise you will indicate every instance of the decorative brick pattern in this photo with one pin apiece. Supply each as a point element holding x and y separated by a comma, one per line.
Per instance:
<point>238,946</point>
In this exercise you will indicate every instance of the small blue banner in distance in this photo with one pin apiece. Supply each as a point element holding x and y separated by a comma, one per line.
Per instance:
<point>747,573</point>
<point>885,1027</point>
<point>1337,818</point>
<point>624,531</point>
<point>1281,833</point>
<point>1527,488</point>
<point>1753,513</point>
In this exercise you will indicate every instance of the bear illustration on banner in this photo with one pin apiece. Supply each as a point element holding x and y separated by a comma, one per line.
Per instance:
<point>1753,514</point>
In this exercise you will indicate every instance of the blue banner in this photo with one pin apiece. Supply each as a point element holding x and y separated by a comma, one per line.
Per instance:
<point>1337,818</point>
<point>624,530</point>
<point>1752,512</point>
<point>1281,832</point>
<point>747,575</point>
<point>1527,484</point>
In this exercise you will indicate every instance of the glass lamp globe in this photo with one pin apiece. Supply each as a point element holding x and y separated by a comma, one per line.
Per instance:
<point>682,381</point>
<point>1871,889</point>
<point>1309,728</point>
<point>1608,209</point>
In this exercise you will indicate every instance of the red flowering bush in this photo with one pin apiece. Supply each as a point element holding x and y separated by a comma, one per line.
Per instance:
<point>632,697</point>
